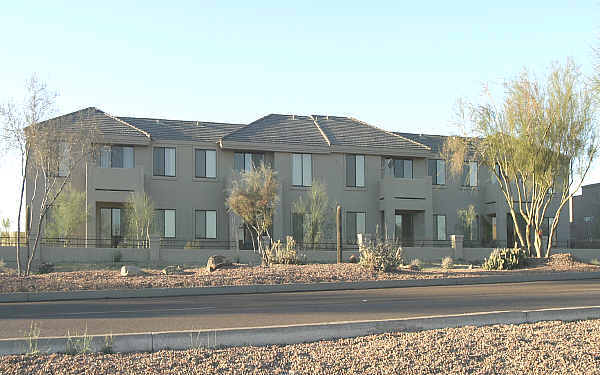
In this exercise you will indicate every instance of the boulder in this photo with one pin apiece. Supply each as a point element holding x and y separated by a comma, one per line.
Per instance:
<point>173,270</point>
<point>217,261</point>
<point>131,271</point>
<point>353,259</point>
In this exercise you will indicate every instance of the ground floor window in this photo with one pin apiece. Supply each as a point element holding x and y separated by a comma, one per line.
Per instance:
<point>439,227</point>
<point>206,224</point>
<point>355,223</point>
<point>111,226</point>
<point>165,223</point>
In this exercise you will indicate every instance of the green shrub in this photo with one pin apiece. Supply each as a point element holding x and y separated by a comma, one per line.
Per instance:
<point>595,261</point>
<point>381,256</point>
<point>46,268</point>
<point>447,263</point>
<point>505,259</point>
<point>278,254</point>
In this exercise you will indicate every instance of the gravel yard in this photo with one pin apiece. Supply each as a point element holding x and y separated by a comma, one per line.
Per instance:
<point>240,274</point>
<point>541,348</point>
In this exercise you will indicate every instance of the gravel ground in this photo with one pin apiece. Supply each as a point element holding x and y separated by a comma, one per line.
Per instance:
<point>541,348</point>
<point>240,274</point>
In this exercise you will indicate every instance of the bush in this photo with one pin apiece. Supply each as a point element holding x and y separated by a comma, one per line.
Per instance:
<point>416,264</point>
<point>505,259</point>
<point>46,268</point>
<point>447,263</point>
<point>278,254</point>
<point>381,256</point>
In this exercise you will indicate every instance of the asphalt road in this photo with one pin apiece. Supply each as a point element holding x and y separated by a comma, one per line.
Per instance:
<point>253,310</point>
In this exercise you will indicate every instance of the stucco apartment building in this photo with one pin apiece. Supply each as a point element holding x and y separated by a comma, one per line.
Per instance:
<point>396,181</point>
<point>585,216</point>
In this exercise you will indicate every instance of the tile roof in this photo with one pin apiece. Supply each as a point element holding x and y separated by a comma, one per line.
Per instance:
<point>178,130</point>
<point>276,128</point>
<point>347,131</point>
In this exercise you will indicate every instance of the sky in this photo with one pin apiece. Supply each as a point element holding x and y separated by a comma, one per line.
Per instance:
<point>398,65</point>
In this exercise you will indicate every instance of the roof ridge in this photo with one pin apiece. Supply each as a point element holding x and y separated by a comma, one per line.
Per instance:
<point>390,133</point>
<point>321,130</point>
<point>166,119</point>
<point>244,127</point>
<point>123,122</point>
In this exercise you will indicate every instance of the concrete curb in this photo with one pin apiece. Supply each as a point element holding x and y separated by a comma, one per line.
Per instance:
<point>287,288</point>
<point>281,335</point>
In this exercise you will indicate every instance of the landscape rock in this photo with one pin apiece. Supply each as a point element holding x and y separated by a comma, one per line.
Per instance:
<point>217,261</point>
<point>353,259</point>
<point>173,270</point>
<point>131,271</point>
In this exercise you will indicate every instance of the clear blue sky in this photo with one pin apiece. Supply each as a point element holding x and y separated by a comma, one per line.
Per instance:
<point>398,65</point>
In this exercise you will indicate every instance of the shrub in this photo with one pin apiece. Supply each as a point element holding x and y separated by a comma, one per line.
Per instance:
<point>416,263</point>
<point>381,256</point>
<point>595,261</point>
<point>116,256</point>
<point>447,263</point>
<point>505,259</point>
<point>278,254</point>
<point>46,268</point>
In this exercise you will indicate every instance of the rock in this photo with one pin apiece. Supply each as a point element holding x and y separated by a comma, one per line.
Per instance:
<point>131,271</point>
<point>353,259</point>
<point>217,261</point>
<point>173,270</point>
<point>411,267</point>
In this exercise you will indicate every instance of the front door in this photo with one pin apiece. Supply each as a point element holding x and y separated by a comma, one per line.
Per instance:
<point>110,227</point>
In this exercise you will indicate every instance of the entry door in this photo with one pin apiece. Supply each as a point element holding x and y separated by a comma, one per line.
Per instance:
<point>404,231</point>
<point>110,226</point>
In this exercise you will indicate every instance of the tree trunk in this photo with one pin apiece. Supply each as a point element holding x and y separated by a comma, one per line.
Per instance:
<point>35,246</point>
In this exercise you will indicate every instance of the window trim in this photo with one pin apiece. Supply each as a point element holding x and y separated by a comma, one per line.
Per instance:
<point>302,182</point>
<point>164,154</point>
<point>205,225</point>
<point>205,163</point>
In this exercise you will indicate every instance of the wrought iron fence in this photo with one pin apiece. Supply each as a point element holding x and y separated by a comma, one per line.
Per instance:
<point>174,243</point>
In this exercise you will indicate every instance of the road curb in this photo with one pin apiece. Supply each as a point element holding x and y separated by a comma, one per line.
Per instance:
<point>287,288</point>
<point>282,335</point>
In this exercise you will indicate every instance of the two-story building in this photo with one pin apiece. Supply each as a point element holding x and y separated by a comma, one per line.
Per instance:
<point>395,181</point>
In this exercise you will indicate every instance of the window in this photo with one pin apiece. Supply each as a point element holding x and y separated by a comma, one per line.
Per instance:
<point>206,224</point>
<point>470,172</point>
<point>355,170</point>
<point>298,227</point>
<point>110,226</point>
<point>588,227</point>
<point>494,230</point>
<point>116,157</point>
<point>439,227</point>
<point>246,161</point>
<point>165,223</point>
<point>164,161</point>
<point>206,163</point>
<point>355,223</point>
<point>546,225</point>
<point>302,169</point>
<point>437,171</point>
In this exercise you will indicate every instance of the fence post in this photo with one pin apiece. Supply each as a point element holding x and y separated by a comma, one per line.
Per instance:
<point>457,245</point>
<point>154,249</point>
<point>338,225</point>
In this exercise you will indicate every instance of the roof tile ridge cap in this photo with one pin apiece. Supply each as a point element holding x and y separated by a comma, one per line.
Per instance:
<point>123,122</point>
<point>320,130</point>
<point>390,133</point>
<point>244,126</point>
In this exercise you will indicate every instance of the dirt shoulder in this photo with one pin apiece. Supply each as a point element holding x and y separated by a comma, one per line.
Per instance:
<point>541,348</point>
<point>240,274</point>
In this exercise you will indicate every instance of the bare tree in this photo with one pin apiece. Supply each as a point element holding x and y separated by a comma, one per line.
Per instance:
<point>38,104</point>
<point>57,147</point>
<point>254,198</point>
<point>140,215</point>
<point>539,144</point>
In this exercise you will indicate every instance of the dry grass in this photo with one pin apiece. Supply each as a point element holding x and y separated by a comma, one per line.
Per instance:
<point>541,348</point>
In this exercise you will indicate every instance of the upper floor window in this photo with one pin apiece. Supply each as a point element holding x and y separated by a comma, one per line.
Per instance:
<point>302,169</point>
<point>246,161</point>
<point>355,170</point>
<point>206,163</point>
<point>116,157</point>
<point>437,171</point>
<point>164,161</point>
<point>165,223</point>
<point>399,168</point>
<point>206,224</point>
<point>470,173</point>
